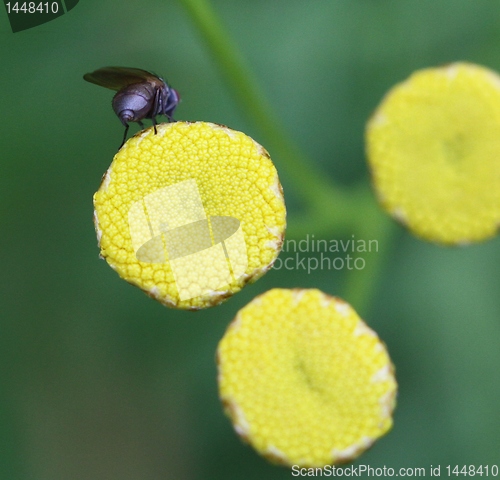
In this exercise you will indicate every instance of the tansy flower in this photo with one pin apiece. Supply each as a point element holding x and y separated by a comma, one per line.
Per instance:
<point>190,214</point>
<point>433,146</point>
<point>304,380</point>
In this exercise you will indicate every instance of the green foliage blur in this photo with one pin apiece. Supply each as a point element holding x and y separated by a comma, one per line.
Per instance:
<point>98,381</point>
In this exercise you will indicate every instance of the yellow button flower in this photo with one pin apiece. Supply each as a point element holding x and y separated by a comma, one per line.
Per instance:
<point>190,214</point>
<point>304,380</point>
<point>433,146</point>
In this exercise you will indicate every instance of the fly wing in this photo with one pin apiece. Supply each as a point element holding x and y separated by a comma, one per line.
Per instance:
<point>116,78</point>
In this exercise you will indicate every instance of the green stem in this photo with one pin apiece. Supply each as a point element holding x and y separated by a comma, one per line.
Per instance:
<point>360,285</point>
<point>329,207</point>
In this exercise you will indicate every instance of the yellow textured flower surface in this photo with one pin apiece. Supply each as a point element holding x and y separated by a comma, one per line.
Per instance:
<point>190,214</point>
<point>433,146</point>
<point>304,380</point>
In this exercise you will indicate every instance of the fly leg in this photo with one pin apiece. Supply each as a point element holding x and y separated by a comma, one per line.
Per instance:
<point>124,136</point>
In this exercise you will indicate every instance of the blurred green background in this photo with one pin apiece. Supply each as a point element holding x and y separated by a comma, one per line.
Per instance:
<point>98,381</point>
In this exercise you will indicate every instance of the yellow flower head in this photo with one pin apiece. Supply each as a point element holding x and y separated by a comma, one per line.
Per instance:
<point>304,380</point>
<point>433,146</point>
<point>190,214</point>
